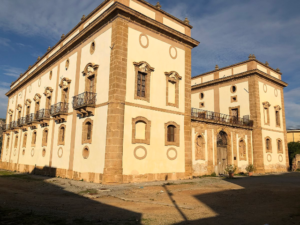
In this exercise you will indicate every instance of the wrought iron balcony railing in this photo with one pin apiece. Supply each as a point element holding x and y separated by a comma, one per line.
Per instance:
<point>14,125</point>
<point>59,108</point>
<point>21,121</point>
<point>84,99</point>
<point>43,114</point>
<point>5,127</point>
<point>219,117</point>
<point>30,118</point>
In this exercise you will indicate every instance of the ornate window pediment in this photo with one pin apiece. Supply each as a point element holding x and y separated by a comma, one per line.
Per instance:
<point>173,76</point>
<point>10,112</point>
<point>19,107</point>
<point>28,102</point>
<point>266,104</point>
<point>65,83</point>
<point>172,88</point>
<point>37,97</point>
<point>143,67</point>
<point>90,70</point>
<point>277,107</point>
<point>48,91</point>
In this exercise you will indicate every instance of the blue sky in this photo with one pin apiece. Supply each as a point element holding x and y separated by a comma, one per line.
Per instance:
<point>228,31</point>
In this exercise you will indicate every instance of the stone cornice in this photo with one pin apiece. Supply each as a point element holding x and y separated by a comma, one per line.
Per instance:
<point>113,12</point>
<point>237,64</point>
<point>241,75</point>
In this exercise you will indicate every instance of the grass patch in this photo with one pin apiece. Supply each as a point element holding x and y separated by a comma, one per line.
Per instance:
<point>6,173</point>
<point>89,192</point>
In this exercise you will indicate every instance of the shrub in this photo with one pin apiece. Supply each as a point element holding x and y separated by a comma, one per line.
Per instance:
<point>230,168</point>
<point>250,168</point>
<point>213,174</point>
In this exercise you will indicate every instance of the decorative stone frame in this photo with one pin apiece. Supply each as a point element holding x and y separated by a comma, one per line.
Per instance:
<point>270,147</point>
<point>281,146</point>
<point>67,64</point>
<point>177,134</point>
<point>28,105</point>
<point>89,71</point>
<point>172,77</point>
<point>137,157</point>
<point>234,98</point>
<point>84,139</point>
<point>19,110</point>
<point>65,85</point>
<point>45,138</point>
<point>16,141</point>
<point>48,92</point>
<point>235,107</point>
<point>201,105</point>
<point>92,47</point>
<point>140,40</point>
<point>147,130</point>
<point>170,52</point>
<point>25,136</point>
<point>37,99</point>
<point>85,154</point>
<point>200,95</point>
<point>277,109</point>
<point>33,140</point>
<point>242,157</point>
<point>266,106</point>
<point>231,89</point>
<point>143,67</point>
<point>60,141</point>
<point>202,147</point>
<point>172,149</point>
<point>7,141</point>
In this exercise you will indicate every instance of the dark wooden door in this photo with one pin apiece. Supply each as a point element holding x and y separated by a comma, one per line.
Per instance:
<point>222,159</point>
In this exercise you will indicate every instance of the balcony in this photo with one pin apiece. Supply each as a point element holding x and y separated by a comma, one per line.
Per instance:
<point>219,118</point>
<point>85,103</point>
<point>21,121</point>
<point>5,127</point>
<point>14,126</point>
<point>59,111</point>
<point>43,116</point>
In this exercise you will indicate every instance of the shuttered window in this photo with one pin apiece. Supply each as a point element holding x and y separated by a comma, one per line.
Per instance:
<point>171,133</point>
<point>141,85</point>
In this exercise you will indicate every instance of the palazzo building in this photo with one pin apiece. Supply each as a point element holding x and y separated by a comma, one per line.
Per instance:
<point>114,102</point>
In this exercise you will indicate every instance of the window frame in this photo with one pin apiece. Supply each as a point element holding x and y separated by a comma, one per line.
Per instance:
<point>200,155</point>
<point>279,151</point>
<point>147,130</point>
<point>60,141</point>
<point>143,67</point>
<point>84,139</point>
<point>175,79</point>
<point>176,142</point>
<point>266,107</point>
<point>241,157</point>
<point>270,147</point>
<point>277,109</point>
<point>33,139</point>
<point>25,136</point>
<point>45,138</point>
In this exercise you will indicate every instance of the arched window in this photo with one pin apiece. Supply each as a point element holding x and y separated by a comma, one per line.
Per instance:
<point>33,141</point>
<point>61,135</point>
<point>242,150</point>
<point>279,146</point>
<point>24,140</point>
<point>268,144</point>
<point>16,141</point>
<point>141,130</point>
<point>87,131</point>
<point>200,148</point>
<point>172,134</point>
<point>45,137</point>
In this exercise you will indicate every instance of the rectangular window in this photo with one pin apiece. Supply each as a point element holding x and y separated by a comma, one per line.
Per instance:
<point>277,118</point>
<point>141,85</point>
<point>171,133</point>
<point>48,103</point>
<point>171,92</point>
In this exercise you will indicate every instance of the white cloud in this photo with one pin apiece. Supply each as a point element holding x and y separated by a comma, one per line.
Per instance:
<point>11,71</point>
<point>49,19</point>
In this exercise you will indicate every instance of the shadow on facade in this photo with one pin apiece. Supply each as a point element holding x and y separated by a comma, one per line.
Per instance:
<point>45,198</point>
<point>261,200</point>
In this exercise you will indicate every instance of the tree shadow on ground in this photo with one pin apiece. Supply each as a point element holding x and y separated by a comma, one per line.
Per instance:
<point>32,200</point>
<point>272,199</point>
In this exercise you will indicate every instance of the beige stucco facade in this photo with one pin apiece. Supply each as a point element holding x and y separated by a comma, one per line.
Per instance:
<point>293,136</point>
<point>117,89</point>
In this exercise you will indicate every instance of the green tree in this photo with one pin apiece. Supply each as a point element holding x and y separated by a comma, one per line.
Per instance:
<point>294,149</point>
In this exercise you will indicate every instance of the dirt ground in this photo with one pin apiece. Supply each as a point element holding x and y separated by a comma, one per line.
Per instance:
<point>268,199</point>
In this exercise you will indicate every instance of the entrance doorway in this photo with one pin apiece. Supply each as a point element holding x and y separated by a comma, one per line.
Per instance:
<point>222,152</point>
